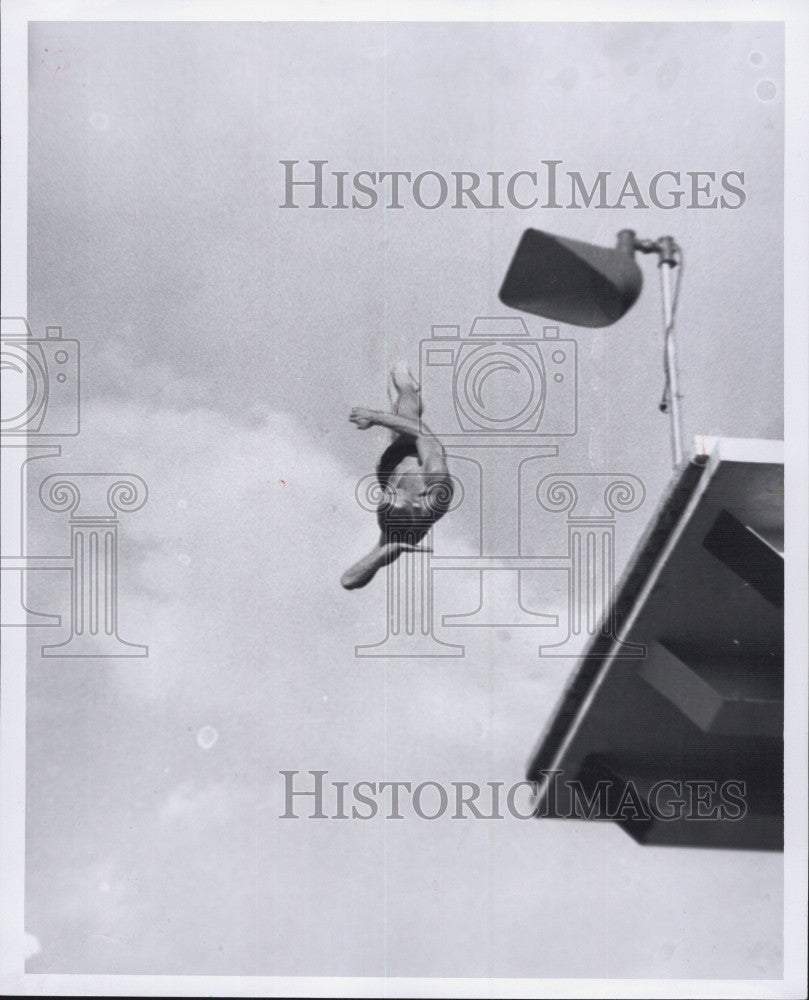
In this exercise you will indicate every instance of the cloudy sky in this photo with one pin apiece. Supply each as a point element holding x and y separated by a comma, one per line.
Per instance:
<point>224,341</point>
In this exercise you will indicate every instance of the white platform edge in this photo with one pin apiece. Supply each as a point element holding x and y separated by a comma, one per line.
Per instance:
<point>723,449</point>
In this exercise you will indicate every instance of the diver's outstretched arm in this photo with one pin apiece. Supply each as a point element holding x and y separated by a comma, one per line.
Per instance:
<point>430,449</point>
<point>365,418</point>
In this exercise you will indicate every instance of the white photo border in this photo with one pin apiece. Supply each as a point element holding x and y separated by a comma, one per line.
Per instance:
<point>16,15</point>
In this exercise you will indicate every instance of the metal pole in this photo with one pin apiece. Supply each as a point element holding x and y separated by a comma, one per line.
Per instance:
<point>665,267</point>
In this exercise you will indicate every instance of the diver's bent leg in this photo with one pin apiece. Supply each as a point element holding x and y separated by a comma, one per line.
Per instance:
<point>363,571</point>
<point>383,554</point>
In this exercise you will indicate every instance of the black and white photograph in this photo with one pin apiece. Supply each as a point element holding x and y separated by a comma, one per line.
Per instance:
<point>404,475</point>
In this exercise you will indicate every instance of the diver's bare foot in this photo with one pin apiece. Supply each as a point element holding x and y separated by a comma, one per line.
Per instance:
<point>402,377</point>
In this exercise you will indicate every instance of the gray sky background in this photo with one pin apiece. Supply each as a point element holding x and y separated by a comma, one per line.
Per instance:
<point>224,341</point>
